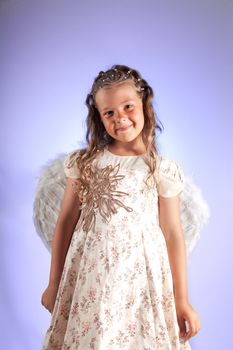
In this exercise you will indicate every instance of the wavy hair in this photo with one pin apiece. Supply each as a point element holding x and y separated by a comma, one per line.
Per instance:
<point>96,135</point>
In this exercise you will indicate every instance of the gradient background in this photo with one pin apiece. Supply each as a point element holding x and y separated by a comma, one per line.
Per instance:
<point>50,53</point>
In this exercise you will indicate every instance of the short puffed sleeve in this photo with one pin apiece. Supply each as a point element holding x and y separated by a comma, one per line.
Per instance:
<point>170,177</point>
<point>70,166</point>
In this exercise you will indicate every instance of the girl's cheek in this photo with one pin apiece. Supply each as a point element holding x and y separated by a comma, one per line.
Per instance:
<point>137,115</point>
<point>134,113</point>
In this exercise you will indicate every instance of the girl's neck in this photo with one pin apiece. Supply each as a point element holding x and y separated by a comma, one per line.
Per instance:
<point>126,151</point>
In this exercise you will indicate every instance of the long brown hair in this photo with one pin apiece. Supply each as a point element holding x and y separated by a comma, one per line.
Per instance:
<point>96,136</point>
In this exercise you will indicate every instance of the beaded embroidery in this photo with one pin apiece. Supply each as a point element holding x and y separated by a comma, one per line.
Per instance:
<point>99,192</point>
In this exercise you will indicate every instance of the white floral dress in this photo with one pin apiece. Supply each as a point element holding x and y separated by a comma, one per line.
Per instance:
<point>116,289</point>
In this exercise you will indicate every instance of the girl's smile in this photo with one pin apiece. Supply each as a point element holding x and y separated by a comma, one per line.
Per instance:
<point>124,128</point>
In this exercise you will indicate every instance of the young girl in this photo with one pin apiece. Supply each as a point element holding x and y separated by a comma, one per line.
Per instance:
<point>119,281</point>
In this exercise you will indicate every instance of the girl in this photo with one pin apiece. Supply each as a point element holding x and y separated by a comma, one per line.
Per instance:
<point>119,282</point>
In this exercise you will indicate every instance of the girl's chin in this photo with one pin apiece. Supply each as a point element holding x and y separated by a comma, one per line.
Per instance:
<point>125,136</point>
<point>125,139</point>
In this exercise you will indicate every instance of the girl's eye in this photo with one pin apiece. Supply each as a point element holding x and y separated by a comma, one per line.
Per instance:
<point>107,113</point>
<point>129,106</point>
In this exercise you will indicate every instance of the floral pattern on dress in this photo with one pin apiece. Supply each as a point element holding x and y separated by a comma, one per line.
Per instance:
<point>116,288</point>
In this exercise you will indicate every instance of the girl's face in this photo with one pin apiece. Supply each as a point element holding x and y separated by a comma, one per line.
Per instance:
<point>121,111</point>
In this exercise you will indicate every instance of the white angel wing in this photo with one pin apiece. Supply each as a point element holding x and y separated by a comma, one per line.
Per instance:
<point>48,197</point>
<point>50,190</point>
<point>194,213</point>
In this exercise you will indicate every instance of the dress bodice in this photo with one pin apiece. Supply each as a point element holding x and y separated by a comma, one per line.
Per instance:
<point>117,185</point>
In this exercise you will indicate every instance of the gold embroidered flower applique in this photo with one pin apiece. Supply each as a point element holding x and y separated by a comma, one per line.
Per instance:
<point>99,191</point>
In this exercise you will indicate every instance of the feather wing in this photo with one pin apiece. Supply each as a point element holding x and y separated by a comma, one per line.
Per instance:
<point>50,190</point>
<point>48,197</point>
<point>195,212</point>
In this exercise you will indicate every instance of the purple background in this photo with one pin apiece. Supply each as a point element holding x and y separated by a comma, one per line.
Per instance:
<point>50,53</point>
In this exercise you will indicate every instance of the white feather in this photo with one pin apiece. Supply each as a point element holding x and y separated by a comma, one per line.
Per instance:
<point>195,213</point>
<point>48,198</point>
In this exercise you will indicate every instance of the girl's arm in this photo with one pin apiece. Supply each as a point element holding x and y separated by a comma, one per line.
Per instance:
<point>170,223</point>
<point>66,223</point>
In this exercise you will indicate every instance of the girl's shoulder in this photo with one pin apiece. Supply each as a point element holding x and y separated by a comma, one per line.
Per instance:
<point>170,176</point>
<point>73,159</point>
<point>167,165</point>
<point>70,164</point>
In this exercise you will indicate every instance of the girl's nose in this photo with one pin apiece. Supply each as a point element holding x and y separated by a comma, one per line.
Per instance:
<point>120,115</point>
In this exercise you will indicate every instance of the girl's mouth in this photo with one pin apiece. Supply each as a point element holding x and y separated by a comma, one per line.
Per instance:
<point>124,128</point>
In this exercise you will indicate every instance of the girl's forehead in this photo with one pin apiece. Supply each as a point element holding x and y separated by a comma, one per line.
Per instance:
<point>117,93</point>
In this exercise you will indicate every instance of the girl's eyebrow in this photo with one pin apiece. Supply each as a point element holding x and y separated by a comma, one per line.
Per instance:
<point>104,109</point>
